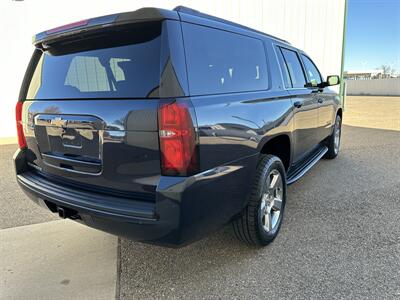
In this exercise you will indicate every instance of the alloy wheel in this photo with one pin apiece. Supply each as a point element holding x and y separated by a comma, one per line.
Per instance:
<point>337,136</point>
<point>271,201</point>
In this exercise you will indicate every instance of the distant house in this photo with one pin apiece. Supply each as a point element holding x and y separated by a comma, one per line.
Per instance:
<point>363,75</point>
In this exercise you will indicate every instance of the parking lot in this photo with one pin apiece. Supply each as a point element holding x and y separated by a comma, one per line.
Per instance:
<point>340,237</point>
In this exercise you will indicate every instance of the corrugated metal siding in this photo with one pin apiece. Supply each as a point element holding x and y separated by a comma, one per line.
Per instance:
<point>315,26</point>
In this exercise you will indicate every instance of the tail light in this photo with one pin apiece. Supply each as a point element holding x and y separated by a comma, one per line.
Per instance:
<point>20,129</point>
<point>68,26</point>
<point>177,140</point>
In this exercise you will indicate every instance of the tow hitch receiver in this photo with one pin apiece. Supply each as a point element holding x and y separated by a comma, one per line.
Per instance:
<point>67,213</point>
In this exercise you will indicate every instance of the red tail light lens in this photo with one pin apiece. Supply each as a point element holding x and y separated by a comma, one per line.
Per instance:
<point>177,140</point>
<point>68,26</point>
<point>20,129</point>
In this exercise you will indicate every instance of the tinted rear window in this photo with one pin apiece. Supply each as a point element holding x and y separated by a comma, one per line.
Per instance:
<point>120,64</point>
<point>223,62</point>
<point>294,67</point>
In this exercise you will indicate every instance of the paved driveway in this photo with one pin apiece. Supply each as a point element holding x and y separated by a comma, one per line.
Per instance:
<point>340,239</point>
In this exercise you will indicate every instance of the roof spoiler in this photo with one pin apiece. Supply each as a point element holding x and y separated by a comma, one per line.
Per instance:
<point>83,26</point>
<point>141,15</point>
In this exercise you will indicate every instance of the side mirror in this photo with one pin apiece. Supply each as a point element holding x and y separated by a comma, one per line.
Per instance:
<point>332,80</point>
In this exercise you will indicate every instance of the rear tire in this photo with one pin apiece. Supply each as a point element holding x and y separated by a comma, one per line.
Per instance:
<point>333,141</point>
<point>261,219</point>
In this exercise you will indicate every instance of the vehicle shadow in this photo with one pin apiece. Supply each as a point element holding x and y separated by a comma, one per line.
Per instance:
<point>145,269</point>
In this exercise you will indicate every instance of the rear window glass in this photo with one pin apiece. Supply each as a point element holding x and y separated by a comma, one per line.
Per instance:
<point>223,62</point>
<point>122,66</point>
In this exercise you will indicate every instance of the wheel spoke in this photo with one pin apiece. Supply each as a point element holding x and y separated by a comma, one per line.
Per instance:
<point>263,203</point>
<point>337,135</point>
<point>267,222</point>
<point>277,204</point>
<point>274,180</point>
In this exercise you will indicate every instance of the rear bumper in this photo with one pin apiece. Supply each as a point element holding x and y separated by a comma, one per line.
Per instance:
<point>185,209</point>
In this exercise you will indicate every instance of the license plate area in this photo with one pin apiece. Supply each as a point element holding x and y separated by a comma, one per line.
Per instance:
<point>72,138</point>
<point>78,142</point>
<point>72,143</point>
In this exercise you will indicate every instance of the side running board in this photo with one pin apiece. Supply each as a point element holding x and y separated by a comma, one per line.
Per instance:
<point>304,167</point>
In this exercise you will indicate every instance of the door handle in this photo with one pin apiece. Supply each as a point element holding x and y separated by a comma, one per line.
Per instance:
<point>320,100</point>
<point>318,90</point>
<point>298,103</point>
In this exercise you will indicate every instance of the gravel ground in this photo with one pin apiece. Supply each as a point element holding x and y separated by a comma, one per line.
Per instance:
<point>340,238</point>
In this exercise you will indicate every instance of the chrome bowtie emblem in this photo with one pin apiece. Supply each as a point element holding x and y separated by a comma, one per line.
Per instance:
<point>59,122</point>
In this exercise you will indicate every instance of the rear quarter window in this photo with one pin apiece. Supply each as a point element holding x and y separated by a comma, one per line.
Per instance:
<point>222,62</point>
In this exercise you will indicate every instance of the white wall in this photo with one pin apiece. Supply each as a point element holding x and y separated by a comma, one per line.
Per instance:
<point>316,26</point>
<point>378,87</point>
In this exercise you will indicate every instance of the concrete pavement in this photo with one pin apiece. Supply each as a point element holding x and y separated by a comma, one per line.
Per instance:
<point>42,257</point>
<point>57,260</point>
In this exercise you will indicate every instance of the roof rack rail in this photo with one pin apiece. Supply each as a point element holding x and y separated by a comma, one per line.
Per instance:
<point>193,12</point>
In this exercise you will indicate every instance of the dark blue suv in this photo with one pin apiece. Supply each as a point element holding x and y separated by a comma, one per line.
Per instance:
<point>163,126</point>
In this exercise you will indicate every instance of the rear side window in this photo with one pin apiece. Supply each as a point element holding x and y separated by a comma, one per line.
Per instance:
<point>284,69</point>
<point>122,63</point>
<point>294,67</point>
<point>223,62</point>
<point>311,69</point>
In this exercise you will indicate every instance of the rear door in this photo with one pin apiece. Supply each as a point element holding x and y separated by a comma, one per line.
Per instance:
<point>304,101</point>
<point>324,97</point>
<point>90,109</point>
